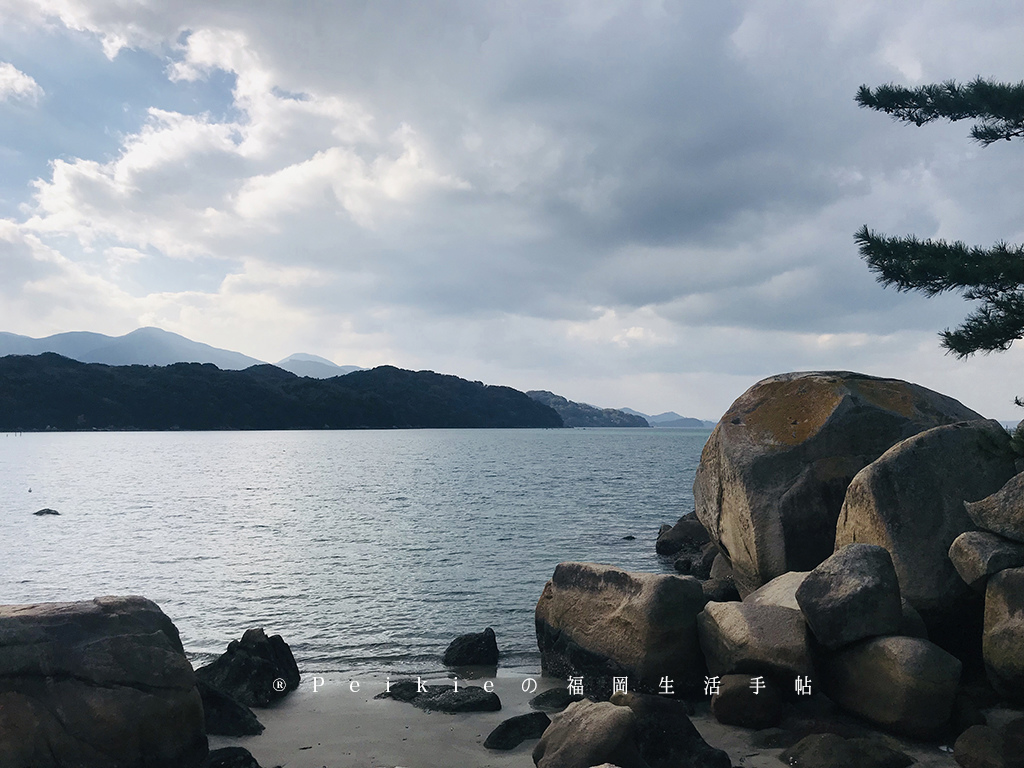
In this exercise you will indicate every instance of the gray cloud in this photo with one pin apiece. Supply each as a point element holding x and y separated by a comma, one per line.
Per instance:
<point>538,189</point>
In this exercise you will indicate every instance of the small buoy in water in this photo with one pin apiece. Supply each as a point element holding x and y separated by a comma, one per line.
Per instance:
<point>46,511</point>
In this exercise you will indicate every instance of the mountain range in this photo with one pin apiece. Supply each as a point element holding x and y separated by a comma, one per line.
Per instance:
<point>157,347</point>
<point>671,419</point>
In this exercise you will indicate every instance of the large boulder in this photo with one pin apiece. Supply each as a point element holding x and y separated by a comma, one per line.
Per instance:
<point>1003,638</point>
<point>255,670</point>
<point>599,621</point>
<point>589,733</point>
<point>911,501</point>
<point>472,649</point>
<point>756,639</point>
<point>904,684</point>
<point>773,474</point>
<point>976,555</point>
<point>95,684</point>
<point>631,731</point>
<point>1003,511</point>
<point>852,595</point>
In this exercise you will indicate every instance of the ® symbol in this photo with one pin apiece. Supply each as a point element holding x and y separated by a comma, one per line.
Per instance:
<point>280,684</point>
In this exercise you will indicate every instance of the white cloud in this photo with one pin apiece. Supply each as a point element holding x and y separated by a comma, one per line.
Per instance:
<point>15,85</point>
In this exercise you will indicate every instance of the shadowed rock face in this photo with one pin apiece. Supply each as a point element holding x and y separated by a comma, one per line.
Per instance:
<point>96,683</point>
<point>774,473</point>
<point>1003,639</point>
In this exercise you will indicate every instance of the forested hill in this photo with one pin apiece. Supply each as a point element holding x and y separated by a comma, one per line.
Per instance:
<point>583,415</point>
<point>52,392</point>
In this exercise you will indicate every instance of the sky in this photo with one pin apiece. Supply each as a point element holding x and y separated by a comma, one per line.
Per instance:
<point>629,203</point>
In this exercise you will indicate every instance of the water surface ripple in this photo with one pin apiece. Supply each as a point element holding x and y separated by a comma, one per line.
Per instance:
<point>366,550</point>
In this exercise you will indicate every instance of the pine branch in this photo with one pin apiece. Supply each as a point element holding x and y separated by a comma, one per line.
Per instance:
<point>993,326</point>
<point>998,107</point>
<point>935,266</point>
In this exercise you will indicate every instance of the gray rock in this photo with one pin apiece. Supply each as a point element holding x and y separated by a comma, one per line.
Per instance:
<point>852,595</point>
<point>686,534</point>
<point>473,649</point>
<point>976,555</point>
<point>1003,637</point>
<point>632,731</point>
<point>759,639</point>
<point>827,750</point>
<point>589,733</point>
<point>443,698</point>
<point>698,564</point>
<point>665,736</point>
<point>46,511</point>
<point>95,684</point>
<point>512,732</point>
<point>554,700</point>
<point>226,717</point>
<point>911,501</point>
<point>779,591</point>
<point>981,746</point>
<point>904,684</point>
<point>773,474</point>
<point>249,669</point>
<point>1003,511</point>
<point>599,621</point>
<point>736,703</point>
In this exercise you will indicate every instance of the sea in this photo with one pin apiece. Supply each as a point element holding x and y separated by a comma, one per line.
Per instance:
<point>368,551</point>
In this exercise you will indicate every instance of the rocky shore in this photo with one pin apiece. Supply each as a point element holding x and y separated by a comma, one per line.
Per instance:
<point>850,593</point>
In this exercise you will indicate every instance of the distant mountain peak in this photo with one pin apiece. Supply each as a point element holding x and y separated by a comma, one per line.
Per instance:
<point>143,346</point>
<point>305,357</point>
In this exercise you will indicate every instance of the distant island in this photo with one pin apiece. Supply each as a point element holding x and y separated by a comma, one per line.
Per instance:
<point>49,391</point>
<point>583,415</point>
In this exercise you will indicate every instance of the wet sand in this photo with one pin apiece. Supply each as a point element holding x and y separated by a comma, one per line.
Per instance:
<point>337,728</point>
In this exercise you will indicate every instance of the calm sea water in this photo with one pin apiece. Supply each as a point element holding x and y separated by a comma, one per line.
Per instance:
<point>366,550</point>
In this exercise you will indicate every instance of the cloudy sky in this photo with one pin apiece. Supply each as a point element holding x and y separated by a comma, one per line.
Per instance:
<point>644,204</point>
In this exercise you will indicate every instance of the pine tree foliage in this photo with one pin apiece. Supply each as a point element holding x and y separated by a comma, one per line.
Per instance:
<point>998,107</point>
<point>992,276</point>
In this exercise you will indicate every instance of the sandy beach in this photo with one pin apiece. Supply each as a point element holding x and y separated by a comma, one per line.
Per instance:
<point>337,728</point>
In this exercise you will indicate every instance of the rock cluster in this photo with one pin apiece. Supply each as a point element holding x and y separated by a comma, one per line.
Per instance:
<point>875,531</point>
<point>774,473</point>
